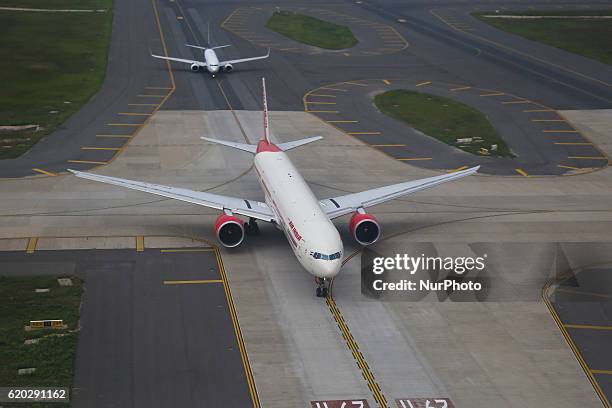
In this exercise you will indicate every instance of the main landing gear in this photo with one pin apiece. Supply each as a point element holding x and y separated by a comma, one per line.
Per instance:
<point>322,287</point>
<point>251,227</point>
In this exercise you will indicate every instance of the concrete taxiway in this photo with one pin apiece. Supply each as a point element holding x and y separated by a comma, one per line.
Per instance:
<point>301,348</point>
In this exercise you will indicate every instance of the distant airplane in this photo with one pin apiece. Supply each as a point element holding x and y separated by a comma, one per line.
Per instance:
<point>211,61</point>
<point>290,205</point>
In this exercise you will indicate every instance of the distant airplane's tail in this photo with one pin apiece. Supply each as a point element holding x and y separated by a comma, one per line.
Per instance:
<point>266,134</point>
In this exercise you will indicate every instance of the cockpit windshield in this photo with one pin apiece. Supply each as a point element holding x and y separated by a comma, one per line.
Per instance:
<point>318,255</point>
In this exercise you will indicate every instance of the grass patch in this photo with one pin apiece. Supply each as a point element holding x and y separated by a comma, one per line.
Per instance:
<point>53,356</point>
<point>445,119</point>
<point>47,59</point>
<point>311,31</point>
<point>589,38</point>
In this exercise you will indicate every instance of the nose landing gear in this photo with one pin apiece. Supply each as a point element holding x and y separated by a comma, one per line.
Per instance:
<point>322,287</point>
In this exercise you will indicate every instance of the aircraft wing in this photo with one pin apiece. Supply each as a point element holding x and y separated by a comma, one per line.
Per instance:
<point>186,61</point>
<point>341,205</point>
<point>248,208</point>
<point>238,61</point>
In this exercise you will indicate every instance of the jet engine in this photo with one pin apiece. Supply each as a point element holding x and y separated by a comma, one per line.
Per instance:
<point>228,67</point>
<point>229,230</point>
<point>195,67</point>
<point>364,228</point>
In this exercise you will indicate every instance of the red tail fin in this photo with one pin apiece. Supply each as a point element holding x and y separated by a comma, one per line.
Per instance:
<point>265,112</point>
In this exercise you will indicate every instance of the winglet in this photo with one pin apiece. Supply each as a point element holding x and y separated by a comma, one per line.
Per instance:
<point>266,135</point>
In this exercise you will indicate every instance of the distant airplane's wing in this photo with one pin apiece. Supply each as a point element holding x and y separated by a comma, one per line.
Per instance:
<point>186,61</point>
<point>248,208</point>
<point>238,61</point>
<point>341,205</point>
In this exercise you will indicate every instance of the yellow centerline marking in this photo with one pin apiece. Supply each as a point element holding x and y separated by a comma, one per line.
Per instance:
<point>423,83</point>
<point>190,282</point>
<point>461,88</point>
<point>579,292</point>
<point>386,82</point>
<point>157,87</point>
<point>457,169</point>
<point>114,136</point>
<point>601,371</point>
<point>139,243</point>
<point>522,172</point>
<point>86,162</point>
<point>492,94</point>
<point>568,167</point>
<point>574,143</point>
<point>363,133</point>
<point>100,148</point>
<point>32,242</point>
<point>188,250</point>
<point>134,114</point>
<point>588,157</point>
<point>45,172</point>
<point>587,326</point>
<point>414,158</point>
<point>342,121</point>
<point>388,145</point>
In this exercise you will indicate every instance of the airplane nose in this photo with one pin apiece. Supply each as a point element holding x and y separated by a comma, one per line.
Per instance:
<point>327,269</point>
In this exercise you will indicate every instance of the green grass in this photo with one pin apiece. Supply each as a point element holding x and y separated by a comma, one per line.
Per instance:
<point>590,38</point>
<point>311,31</point>
<point>53,356</point>
<point>47,59</point>
<point>443,119</point>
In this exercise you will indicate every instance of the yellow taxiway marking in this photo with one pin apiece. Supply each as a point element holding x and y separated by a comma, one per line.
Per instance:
<point>322,111</point>
<point>342,121</point>
<point>124,124</point>
<point>601,371</point>
<point>539,110</point>
<point>574,143</point>
<point>320,103</point>
<point>134,114</point>
<point>188,250</point>
<point>324,95</point>
<point>355,83</point>
<point>191,282</point>
<point>124,136</point>
<point>548,120</point>
<point>414,158</point>
<point>423,83</point>
<point>386,82</point>
<point>32,245</point>
<point>151,96</point>
<point>333,89</point>
<point>461,88</point>
<point>100,148</point>
<point>157,87</point>
<point>515,102</point>
<point>588,157</point>
<point>522,172</point>
<point>587,326</point>
<point>139,243</point>
<point>579,292</point>
<point>568,167</point>
<point>363,133</point>
<point>86,162</point>
<point>388,145</point>
<point>45,172</point>
<point>559,131</point>
<point>492,94</point>
<point>457,169</point>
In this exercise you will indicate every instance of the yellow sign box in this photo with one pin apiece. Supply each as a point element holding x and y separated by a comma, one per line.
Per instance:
<point>44,324</point>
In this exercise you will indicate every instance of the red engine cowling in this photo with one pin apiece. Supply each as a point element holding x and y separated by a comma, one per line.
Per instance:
<point>364,228</point>
<point>229,230</point>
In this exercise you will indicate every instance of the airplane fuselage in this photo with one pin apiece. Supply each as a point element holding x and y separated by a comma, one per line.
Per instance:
<point>314,239</point>
<point>212,61</point>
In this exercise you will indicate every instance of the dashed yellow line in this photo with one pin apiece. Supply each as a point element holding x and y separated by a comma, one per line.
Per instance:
<point>139,243</point>
<point>423,83</point>
<point>100,148</point>
<point>414,158</point>
<point>461,88</point>
<point>191,282</point>
<point>492,94</point>
<point>522,172</point>
<point>32,242</point>
<point>568,167</point>
<point>86,162</point>
<point>587,326</point>
<point>457,169</point>
<point>45,172</point>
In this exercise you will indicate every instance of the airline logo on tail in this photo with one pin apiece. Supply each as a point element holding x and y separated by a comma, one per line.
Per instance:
<point>265,110</point>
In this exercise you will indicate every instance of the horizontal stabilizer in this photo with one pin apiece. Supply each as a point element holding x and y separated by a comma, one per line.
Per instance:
<point>220,46</point>
<point>240,146</point>
<point>297,143</point>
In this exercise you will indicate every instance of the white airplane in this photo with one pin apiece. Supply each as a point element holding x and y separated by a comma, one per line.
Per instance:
<point>211,61</point>
<point>290,205</point>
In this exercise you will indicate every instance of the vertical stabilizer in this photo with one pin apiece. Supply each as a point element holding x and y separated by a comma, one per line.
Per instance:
<point>208,44</point>
<point>266,135</point>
